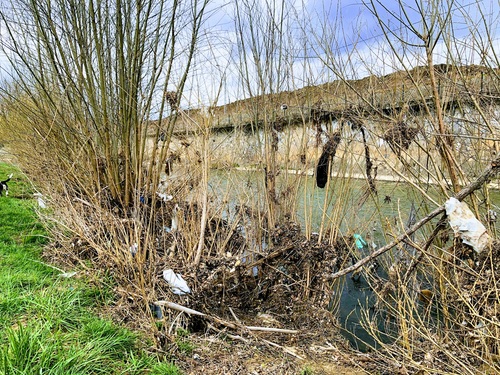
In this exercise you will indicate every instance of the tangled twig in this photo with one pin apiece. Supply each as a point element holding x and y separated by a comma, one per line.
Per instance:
<point>485,177</point>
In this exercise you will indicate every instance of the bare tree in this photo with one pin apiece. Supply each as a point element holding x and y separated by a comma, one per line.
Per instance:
<point>91,78</point>
<point>265,63</point>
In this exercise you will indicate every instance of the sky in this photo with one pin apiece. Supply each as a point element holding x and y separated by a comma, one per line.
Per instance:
<point>323,40</point>
<point>308,42</point>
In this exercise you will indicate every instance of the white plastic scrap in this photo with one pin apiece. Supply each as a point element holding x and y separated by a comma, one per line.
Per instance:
<point>176,282</point>
<point>464,223</point>
<point>67,275</point>
<point>175,219</point>
<point>164,197</point>
<point>41,202</point>
<point>133,249</point>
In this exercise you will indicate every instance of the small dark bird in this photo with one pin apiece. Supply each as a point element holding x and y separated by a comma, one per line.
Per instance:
<point>387,199</point>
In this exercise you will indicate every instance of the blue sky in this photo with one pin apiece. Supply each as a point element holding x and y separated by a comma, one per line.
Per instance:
<point>323,40</point>
<point>327,38</point>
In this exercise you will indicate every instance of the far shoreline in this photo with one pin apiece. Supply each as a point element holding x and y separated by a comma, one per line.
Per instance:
<point>360,176</point>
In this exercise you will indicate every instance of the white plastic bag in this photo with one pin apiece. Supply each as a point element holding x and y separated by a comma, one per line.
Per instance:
<point>177,283</point>
<point>464,223</point>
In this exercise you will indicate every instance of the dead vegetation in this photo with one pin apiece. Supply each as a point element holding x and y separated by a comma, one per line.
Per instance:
<point>271,295</point>
<point>277,299</point>
<point>400,136</point>
<point>455,325</point>
<point>229,278</point>
<point>268,291</point>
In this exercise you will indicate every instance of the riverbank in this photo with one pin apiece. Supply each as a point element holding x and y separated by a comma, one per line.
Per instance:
<point>379,177</point>
<point>44,309</point>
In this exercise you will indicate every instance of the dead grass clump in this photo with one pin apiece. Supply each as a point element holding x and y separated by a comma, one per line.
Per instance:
<point>273,277</point>
<point>478,304</point>
<point>452,327</point>
<point>289,280</point>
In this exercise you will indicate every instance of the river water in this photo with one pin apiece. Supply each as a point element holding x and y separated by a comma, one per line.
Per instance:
<point>345,205</point>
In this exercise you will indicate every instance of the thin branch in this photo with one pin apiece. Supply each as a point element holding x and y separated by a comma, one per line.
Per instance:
<point>484,178</point>
<point>187,310</point>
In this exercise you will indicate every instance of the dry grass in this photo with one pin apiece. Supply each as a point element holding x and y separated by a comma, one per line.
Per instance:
<point>249,266</point>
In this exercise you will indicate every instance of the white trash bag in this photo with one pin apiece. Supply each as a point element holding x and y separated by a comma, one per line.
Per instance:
<point>464,223</point>
<point>176,282</point>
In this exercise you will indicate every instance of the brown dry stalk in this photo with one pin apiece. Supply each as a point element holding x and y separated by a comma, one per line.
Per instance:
<point>445,142</point>
<point>485,177</point>
<point>413,265</point>
<point>231,325</point>
<point>369,164</point>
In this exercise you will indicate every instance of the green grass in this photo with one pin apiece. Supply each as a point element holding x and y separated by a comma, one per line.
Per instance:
<point>47,324</point>
<point>184,345</point>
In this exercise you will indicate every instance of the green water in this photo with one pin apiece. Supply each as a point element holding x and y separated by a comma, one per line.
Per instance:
<point>379,216</point>
<point>343,204</point>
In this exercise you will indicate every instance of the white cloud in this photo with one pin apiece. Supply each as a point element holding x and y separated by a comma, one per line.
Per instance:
<point>323,37</point>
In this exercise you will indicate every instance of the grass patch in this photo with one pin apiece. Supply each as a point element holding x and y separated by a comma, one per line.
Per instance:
<point>47,324</point>
<point>184,345</point>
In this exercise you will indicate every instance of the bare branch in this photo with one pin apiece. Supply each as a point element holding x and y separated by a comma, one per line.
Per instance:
<point>484,178</point>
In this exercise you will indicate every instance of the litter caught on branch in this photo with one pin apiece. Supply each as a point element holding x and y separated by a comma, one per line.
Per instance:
<point>464,224</point>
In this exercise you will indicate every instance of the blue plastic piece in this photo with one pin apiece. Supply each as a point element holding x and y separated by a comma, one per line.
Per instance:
<point>360,242</point>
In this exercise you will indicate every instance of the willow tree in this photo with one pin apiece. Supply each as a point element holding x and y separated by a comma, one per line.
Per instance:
<point>90,78</point>
<point>264,39</point>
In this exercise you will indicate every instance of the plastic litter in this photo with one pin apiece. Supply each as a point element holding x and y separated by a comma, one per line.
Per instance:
<point>177,283</point>
<point>165,197</point>
<point>41,202</point>
<point>359,240</point>
<point>133,249</point>
<point>67,275</point>
<point>175,219</point>
<point>156,310</point>
<point>491,216</point>
<point>464,223</point>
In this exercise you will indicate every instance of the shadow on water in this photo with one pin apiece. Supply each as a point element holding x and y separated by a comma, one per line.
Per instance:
<point>356,298</point>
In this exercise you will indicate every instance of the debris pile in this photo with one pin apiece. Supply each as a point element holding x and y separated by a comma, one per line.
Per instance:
<point>400,136</point>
